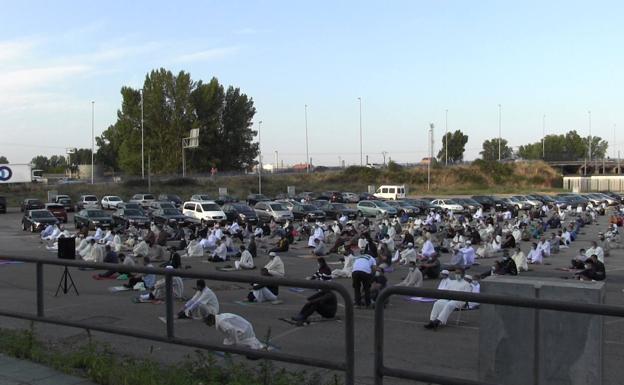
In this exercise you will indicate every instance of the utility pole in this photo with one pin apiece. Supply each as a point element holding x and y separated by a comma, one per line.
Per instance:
<point>306,140</point>
<point>499,132</point>
<point>446,138</point>
<point>589,141</point>
<point>276,161</point>
<point>384,153</point>
<point>92,140</point>
<point>361,157</point>
<point>142,140</point>
<point>259,159</point>
<point>430,156</point>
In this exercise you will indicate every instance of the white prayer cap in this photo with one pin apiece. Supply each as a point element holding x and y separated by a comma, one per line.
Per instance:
<point>410,244</point>
<point>468,277</point>
<point>444,272</point>
<point>468,243</point>
<point>272,254</point>
<point>168,267</point>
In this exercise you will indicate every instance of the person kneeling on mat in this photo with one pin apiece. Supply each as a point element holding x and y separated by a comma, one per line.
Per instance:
<point>323,302</point>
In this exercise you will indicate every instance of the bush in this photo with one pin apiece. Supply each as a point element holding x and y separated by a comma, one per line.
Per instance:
<point>394,166</point>
<point>135,183</point>
<point>180,182</point>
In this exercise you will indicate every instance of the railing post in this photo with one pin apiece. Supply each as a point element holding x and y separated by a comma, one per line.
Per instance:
<point>379,337</point>
<point>349,341</point>
<point>169,305</point>
<point>40,312</point>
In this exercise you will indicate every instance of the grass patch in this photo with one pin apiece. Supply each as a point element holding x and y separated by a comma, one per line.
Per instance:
<point>100,364</point>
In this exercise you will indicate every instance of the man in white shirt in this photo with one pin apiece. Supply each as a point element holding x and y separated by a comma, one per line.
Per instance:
<point>535,256</point>
<point>445,281</point>
<point>409,254</point>
<point>275,266</point>
<point>520,260</point>
<point>595,249</point>
<point>237,330</point>
<point>203,303</point>
<point>414,277</point>
<point>347,268</point>
<point>443,308</point>
<point>246,260</point>
<point>362,276</point>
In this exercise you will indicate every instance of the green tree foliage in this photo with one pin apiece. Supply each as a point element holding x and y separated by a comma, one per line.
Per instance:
<point>40,162</point>
<point>570,146</point>
<point>172,106</point>
<point>55,163</point>
<point>490,149</point>
<point>456,146</point>
<point>4,160</point>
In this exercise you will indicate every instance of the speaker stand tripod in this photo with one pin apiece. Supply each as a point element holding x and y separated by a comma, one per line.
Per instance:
<point>64,283</point>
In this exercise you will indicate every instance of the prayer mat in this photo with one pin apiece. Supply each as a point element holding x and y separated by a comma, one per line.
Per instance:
<point>296,289</point>
<point>225,268</point>
<point>227,287</point>
<point>122,277</point>
<point>117,289</point>
<point>176,320</point>
<point>98,278</point>
<point>310,320</point>
<point>152,301</point>
<point>247,303</point>
<point>420,299</point>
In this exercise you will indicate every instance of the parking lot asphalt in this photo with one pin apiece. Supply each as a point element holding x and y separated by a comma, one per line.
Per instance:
<point>452,350</point>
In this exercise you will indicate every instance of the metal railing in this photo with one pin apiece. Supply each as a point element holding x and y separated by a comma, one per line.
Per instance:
<point>381,370</point>
<point>347,366</point>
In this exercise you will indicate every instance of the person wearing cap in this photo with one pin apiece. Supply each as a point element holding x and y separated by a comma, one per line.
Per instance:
<point>160,290</point>
<point>595,250</point>
<point>237,330</point>
<point>408,255</point>
<point>476,289</point>
<point>414,277</point>
<point>427,250</point>
<point>246,260</point>
<point>443,308</point>
<point>275,266</point>
<point>203,303</point>
<point>141,249</point>
<point>362,276</point>
<point>445,281</point>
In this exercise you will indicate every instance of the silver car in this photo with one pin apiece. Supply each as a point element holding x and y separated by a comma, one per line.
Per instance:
<point>267,211</point>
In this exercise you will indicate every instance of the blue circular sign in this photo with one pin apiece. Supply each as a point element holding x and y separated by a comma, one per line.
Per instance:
<point>5,173</point>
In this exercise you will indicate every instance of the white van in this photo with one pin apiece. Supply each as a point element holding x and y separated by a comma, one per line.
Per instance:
<point>207,212</point>
<point>392,192</point>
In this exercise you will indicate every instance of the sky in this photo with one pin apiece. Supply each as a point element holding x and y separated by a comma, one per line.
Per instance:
<point>408,61</point>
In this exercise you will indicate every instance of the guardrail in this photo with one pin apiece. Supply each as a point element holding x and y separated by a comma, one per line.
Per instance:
<point>381,370</point>
<point>347,366</point>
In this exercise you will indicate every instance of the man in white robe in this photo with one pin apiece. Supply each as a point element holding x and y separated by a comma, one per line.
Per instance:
<point>408,255</point>
<point>443,308</point>
<point>275,266</point>
<point>141,249</point>
<point>347,268</point>
<point>318,234</point>
<point>246,260</point>
<point>414,277</point>
<point>203,303</point>
<point>535,256</point>
<point>237,330</point>
<point>520,260</point>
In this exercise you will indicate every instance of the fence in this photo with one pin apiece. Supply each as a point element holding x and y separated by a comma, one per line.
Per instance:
<point>347,366</point>
<point>381,370</point>
<point>593,183</point>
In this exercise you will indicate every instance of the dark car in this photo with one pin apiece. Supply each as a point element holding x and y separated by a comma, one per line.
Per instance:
<point>126,217</point>
<point>176,200</point>
<point>332,196</point>
<point>469,204</point>
<point>58,210</point>
<point>133,206</point>
<point>240,212</point>
<point>3,205</point>
<point>404,207</point>
<point>37,220</point>
<point>336,210</point>
<point>545,199</point>
<point>31,204</point>
<point>484,200</point>
<point>158,205</point>
<point>614,195</point>
<point>92,218</point>
<point>223,199</point>
<point>306,196</point>
<point>252,199</point>
<point>66,201</point>
<point>422,204</point>
<point>367,197</point>
<point>306,211</point>
<point>169,216</point>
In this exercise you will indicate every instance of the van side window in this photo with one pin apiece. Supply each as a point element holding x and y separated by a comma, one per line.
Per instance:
<point>384,190</point>
<point>402,190</point>
<point>391,190</point>
<point>198,208</point>
<point>189,206</point>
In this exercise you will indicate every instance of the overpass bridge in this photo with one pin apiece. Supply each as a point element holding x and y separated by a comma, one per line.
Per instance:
<point>584,167</point>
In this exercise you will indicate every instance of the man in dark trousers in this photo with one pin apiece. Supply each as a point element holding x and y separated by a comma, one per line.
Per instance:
<point>362,276</point>
<point>323,302</point>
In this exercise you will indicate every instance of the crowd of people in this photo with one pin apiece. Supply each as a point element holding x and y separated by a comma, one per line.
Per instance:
<point>368,249</point>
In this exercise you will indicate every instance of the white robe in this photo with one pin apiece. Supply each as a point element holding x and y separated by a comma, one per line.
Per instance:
<point>201,304</point>
<point>237,330</point>
<point>428,249</point>
<point>521,261</point>
<point>414,278</point>
<point>443,308</point>
<point>275,267</point>
<point>141,249</point>
<point>318,234</point>
<point>194,249</point>
<point>95,254</point>
<point>408,255</point>
<point>177,287</point>
<point>245,261</point>
<point>535,256</point>
<point>347,268</point>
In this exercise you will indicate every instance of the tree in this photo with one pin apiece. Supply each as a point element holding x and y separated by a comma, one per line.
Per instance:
<point>40,162</point>
<point>570,146</point>
<point>173,105</point>
<point>490,149</point>
<point>456,147</point>
<point>4,160</point>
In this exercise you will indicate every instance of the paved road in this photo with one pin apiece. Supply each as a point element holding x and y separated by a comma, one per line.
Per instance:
<point>19,372</point>
<point>451,350</point>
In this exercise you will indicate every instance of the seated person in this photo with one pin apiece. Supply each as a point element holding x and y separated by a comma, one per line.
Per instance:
<point>535,256</point>
<point>263,293</point>
<point>347,268</point>
<point>281,247</point>
<point>520,259</point>
<point>323,302</point>
<point>220,252</point>
<point>509,242</point>
<point>443,308</point>
<point>409,254</point>
<point>246,260</point>
<point>109,257</point>
<point>430,267</point>
<point>237,330</point>
<point>323,273</point>
<point>379,283</point>
<point>594,270</point>
<point>275,266</point>
<point>149,280</point>
<point>414,277</point>
<point>319,248</point>
<point>203,303</point>
<point>160,290</point>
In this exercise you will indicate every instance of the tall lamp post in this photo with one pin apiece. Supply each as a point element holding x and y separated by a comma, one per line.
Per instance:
<point>589,140</point>
<point>430,155</point>
<point>142,140</point>
<point>307,162</point>
<point>446,137</point>
<point>499,133</point>
<point>92,140</point>
<point>259,159</point>
<point>361,152</point>
<point>544,137</point>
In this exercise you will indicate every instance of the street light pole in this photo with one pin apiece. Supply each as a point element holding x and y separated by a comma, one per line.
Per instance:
<point>446,137</point>
<point>499,132</point>
<point>142,140</point>
<point>544,137</point>
<point>361,152</point>
<point>430,155</point>
<point>259,159</point>
<point>92,140</point>
<point>307,162</point>
<point>589,140</point>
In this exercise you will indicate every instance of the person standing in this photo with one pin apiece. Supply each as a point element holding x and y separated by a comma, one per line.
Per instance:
<point>362,277</point>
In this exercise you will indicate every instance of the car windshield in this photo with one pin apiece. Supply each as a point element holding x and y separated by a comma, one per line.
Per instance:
<point>278,207</point>
<point>339,206</point>
<point>41,214</point>
<point>382,204</point>
<point>149,197</point>
<point>211,207</point>
<point>95,213</point>
<point>65,200</point>
<point>171,212</point>
<point>132,206</point>
<point>114,199</point>
<point>308,208</point>
<point>90,198</point>
<point>133,212</point>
